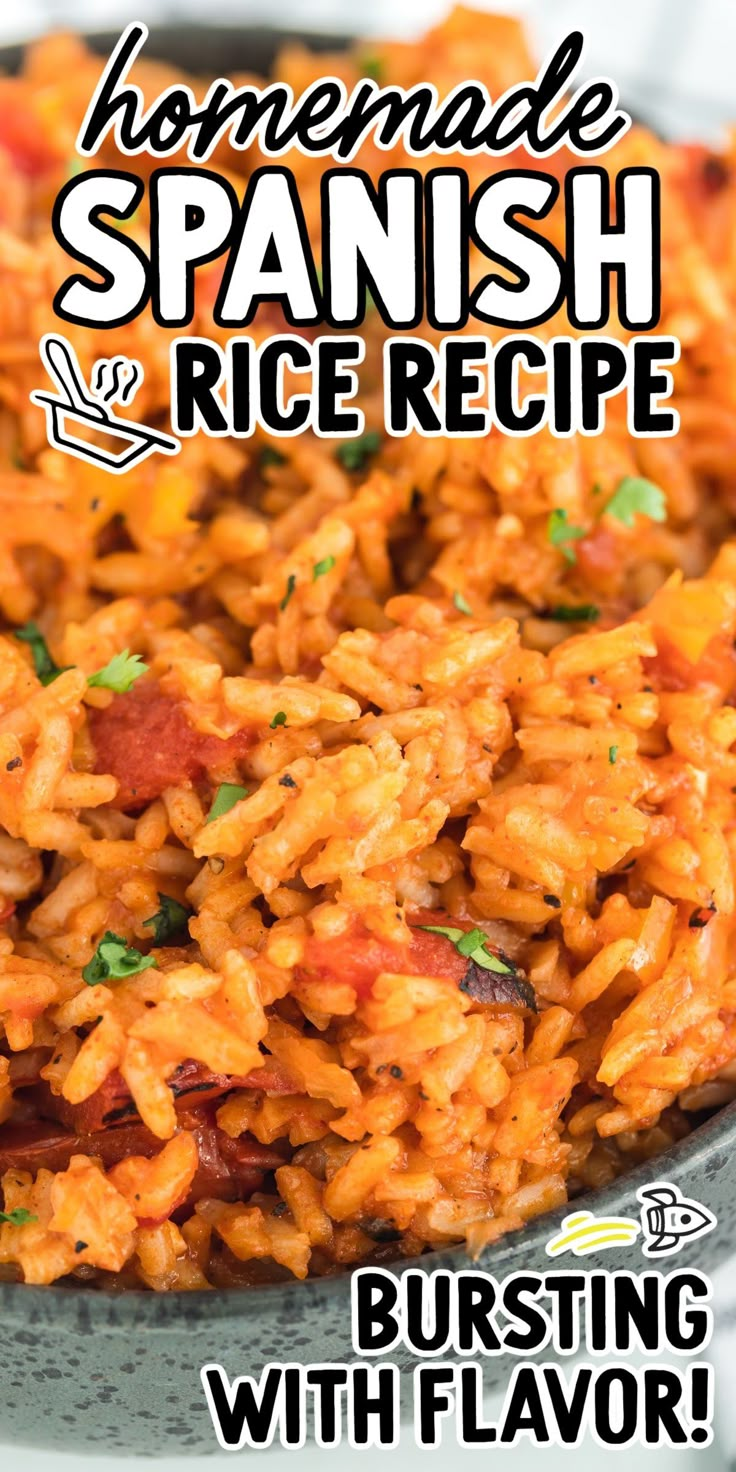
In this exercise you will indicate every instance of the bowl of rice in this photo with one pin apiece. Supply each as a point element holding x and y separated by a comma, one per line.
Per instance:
<point>367,810</point>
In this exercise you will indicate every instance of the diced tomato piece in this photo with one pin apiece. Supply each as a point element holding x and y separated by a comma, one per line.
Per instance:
<point>228,1169</point>
<point>22,134</point>
<point>145,740</point>
<point>670,669</point>
<point>192,1084</point>
<point>245,1153</point>
<point>435,955</point>
<point>598,554</point>
<point>35,1146</point>
<point>111,1104</point>
<point>357,956</point>
<point>194,1079</point>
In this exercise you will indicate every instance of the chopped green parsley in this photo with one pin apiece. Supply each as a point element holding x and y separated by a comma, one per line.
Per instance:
<point>46,668</point>
<point>569,613</point>
<point>320,568</point>
<point>115,959</point>
<point>169,921</point>
<point>120,673</point>
<point>372,67</point>
<point>561,533</point>
<point>353,454</point>
<point>290,586</point>
<point>228,793</point>
<point>635,496</point>
<point>269,457</point>
<point>472,943</point>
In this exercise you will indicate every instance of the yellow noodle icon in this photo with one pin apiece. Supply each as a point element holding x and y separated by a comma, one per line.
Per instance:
<point>584,1232</point>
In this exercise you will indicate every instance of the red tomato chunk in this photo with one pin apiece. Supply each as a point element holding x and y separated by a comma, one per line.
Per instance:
<point>357,957</point>
<point>145,740</point>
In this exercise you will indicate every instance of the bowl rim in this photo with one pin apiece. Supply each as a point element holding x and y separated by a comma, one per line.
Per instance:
<point>224,37</point>
<point>125,1308</point>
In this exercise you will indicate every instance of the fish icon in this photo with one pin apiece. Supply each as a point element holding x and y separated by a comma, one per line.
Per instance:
<point>669,1219</point>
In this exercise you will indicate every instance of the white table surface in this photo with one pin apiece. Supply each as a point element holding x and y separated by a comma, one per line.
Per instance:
<point>404,1458</point>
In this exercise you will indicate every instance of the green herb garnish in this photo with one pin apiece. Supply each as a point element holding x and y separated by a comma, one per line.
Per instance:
<point>115,959</point>
<point>169,920</point>
<point>278,720</point>
<point>471,943</point>
<point>269,456</point>
<point>290,586</point>
<point>612,754</point>
<point>120,673</point>
<point>46,668</point>
<point>634,496</point>
<point>18,1217</point>
<point>489,979</point>
<point>461,603</point>
<point>372,67</point>
<point>228,793</point>
<point>561,532</point>
<point>320,568</point>
<point>569,613</point>
<point>354,453</point>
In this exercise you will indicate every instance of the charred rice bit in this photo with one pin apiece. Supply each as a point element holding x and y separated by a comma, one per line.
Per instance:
<point>388,908</point>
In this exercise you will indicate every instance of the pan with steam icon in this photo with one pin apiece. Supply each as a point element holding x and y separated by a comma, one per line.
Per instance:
<point>115,380</point>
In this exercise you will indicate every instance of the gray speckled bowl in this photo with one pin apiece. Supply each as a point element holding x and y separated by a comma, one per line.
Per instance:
<point>98,1372</point>
<point>92,1371</point>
